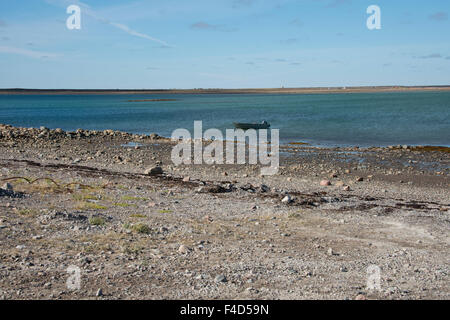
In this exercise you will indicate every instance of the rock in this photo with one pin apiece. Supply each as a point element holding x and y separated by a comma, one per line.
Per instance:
<point>325,183</point>
<point>77,160</point>
<point>20,247</point>
<point>152,204</point>
<point>287,199</point>
<point>187,179</point>
<point>347,171</point>
<point>346,188</point>
<point>220,278</point>
<point>212,189</point>
<point>289,179</point>
<point>360,297</point>
<point>359,179</point>
<point>7,186</point>
<point>339,184</point>
<point>183,249</point>
<point>331,252</point>
<point>154,171</point>
<point>99,293</point>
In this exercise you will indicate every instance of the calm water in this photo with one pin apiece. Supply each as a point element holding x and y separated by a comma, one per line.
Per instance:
<point>374,119</point>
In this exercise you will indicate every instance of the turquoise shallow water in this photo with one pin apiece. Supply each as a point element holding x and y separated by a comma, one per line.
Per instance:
<point>364,119</point>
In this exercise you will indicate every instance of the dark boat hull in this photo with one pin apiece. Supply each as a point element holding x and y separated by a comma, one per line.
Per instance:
<point>248,126</point>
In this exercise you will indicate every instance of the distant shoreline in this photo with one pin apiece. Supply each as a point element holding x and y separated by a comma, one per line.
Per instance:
<point>321,90</point>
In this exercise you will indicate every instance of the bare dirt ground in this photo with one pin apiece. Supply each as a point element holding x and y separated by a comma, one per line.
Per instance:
<point>218,232</point>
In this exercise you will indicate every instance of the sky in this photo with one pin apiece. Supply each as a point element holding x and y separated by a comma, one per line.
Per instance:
<point>174,44</point>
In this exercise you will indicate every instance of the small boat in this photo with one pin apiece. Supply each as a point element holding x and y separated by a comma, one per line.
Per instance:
<point>256,126</point>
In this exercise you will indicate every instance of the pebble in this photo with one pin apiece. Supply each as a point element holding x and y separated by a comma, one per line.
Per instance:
<point>287,199</point>
<point>154,171</point>
<point>325,183</point>
<point>220,278</point>
<point>187,179</point>
<point>99,293</point>
<point>346,188</point>
<point>183,249</point>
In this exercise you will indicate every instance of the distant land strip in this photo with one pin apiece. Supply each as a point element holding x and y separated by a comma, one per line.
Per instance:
<point>152,100</point>
<point>368,89</point>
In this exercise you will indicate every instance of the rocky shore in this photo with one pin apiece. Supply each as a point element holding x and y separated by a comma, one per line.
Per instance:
<point>113,205</point>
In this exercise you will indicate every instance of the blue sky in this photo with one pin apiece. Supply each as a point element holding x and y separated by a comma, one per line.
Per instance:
<point>223,44</point>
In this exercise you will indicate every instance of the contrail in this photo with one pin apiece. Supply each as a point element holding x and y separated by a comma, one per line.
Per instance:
<point>28,53</point>
<point>87,10</point>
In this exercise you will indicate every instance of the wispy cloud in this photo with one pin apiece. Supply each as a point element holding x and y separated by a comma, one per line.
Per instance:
<point>86,9</point>
<point>243,3</point>
<point>439,16</point>
<point>203,26</point>
<point>296,22</point>
<point>212,27</point>
<point>289,41</point>
<point>338,3</point>
<point>431,56</point>
<point>27,53</point>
